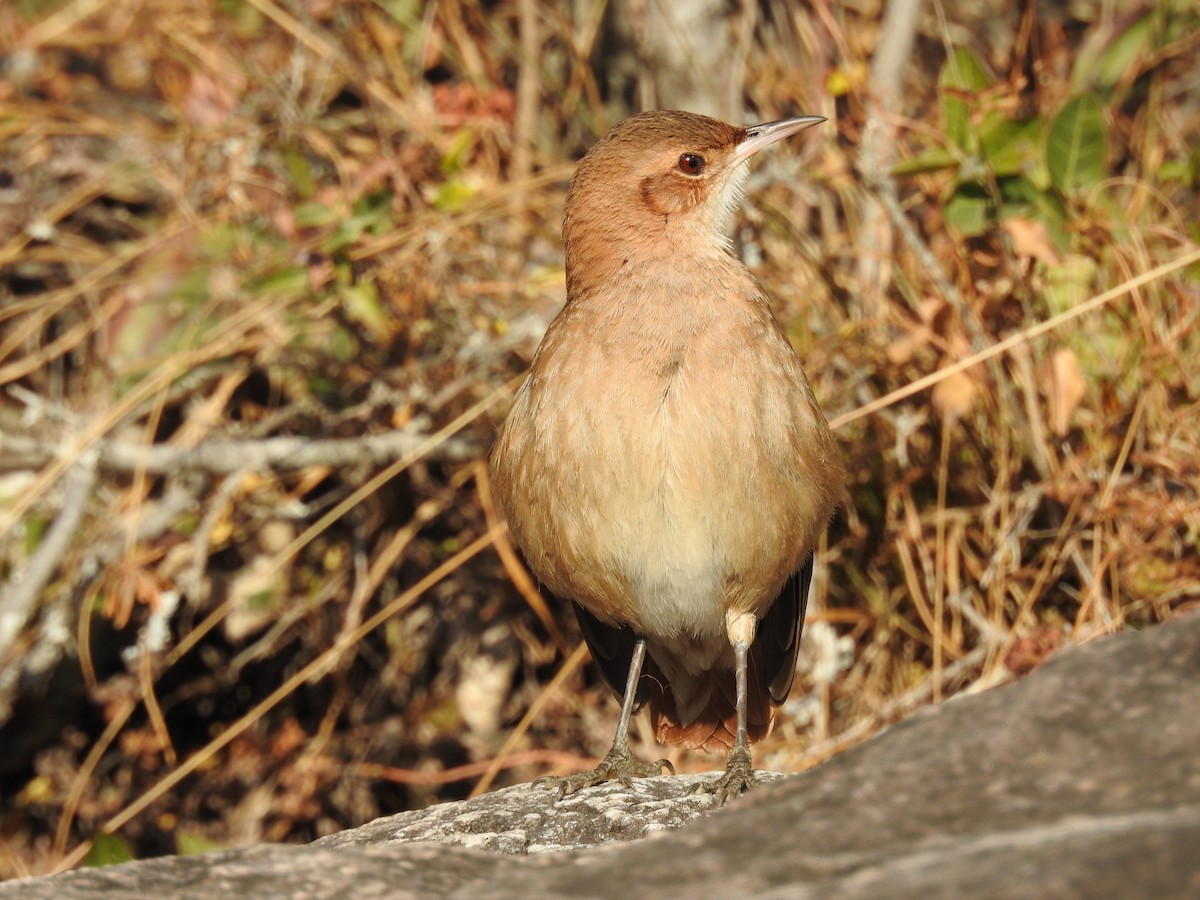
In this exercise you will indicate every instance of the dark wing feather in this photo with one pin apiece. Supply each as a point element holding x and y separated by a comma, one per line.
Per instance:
<point>612,651</point>
<point>774,652</point>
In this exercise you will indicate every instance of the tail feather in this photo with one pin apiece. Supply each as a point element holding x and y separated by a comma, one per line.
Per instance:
<point>700,713</point>
<point>715,727</point>
<point>772,664</point>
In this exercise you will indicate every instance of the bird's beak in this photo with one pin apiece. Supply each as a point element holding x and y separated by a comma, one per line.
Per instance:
<point>759,136</point>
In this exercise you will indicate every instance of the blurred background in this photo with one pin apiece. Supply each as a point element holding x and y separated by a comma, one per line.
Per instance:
<point>270,271</point>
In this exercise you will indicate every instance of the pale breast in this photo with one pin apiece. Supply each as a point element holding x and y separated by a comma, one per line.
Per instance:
<point>661,471</point>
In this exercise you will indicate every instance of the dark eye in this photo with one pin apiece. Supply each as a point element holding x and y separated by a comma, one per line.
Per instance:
<point>691,164</point>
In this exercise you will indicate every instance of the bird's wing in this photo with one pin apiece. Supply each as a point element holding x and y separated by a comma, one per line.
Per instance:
<point>612,651</point>
<point>773,654</point>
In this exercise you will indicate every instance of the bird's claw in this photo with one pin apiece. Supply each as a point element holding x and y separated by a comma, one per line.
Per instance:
<point>739,776</point>
<point>616,766</point>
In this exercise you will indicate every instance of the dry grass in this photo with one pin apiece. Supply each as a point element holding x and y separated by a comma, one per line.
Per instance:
<point>268,274</point>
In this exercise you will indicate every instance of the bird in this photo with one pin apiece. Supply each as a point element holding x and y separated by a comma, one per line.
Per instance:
<point>665,466</point>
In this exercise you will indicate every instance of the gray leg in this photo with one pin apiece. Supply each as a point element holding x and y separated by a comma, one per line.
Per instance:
<point>619,763</point>
<point>739,770</point>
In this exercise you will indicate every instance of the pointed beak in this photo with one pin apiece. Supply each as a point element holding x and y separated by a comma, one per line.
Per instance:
<point>759,136</point>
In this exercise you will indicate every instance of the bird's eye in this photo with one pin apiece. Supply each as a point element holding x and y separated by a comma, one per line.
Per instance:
<point>691,164</point>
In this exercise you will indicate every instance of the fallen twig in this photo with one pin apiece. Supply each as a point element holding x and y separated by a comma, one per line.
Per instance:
<point>223,457</point>
<point>17,602</point>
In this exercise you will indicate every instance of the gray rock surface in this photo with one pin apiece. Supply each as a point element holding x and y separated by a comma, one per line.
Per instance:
<point>1082,780</point>
<point>522,819</point>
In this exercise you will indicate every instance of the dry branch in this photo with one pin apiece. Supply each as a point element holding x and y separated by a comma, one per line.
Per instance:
<point>222,457</point>
<point>17,601</point>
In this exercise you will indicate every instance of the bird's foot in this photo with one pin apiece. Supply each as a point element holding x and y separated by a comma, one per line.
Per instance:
<point>738,777</point>
<point>617,765</point>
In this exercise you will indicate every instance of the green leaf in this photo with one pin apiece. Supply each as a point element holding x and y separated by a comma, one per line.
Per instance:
<point>1076,145</point>
<point>1124,53</point>
<point>247,21</point>
<point>935,159</point>
<point>291,281</point>
<point>190,844</point>
<point>108,850</point>
<point>1101,65</point>
<point>313,214</point>
<point>1020,197</point>
<point>324,386</point>
<point>371,214</point>
<point>362,305</point>
<point>1070,283</point>
<point>35,529</point>
<point>453,195</point>
<point>298,168</point>
<point>455,158</point>
<point>341,345</point>
<point>1186,171</point>
<point>967,210</point>
<point>963,74</point>
<point>1011,147</point>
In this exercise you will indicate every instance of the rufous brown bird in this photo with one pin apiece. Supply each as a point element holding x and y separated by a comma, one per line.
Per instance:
<point>665,466</point>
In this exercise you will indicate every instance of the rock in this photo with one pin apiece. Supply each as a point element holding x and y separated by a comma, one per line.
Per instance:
<point>1082,780</point>
<point>523,819</point>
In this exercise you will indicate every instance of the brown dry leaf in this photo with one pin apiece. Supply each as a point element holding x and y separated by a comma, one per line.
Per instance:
<point>209,102</point>
<point>143,744</point>
<point>931,313</point>
<point>462,104</point>
<point>1030,651</point>
<point>955,395</point>
<point>254,594</point>
<point>904,348</point>
<point>129,586</point>
<point>1067,387</point>
<point>1030,239</point>
<point>289,738</point>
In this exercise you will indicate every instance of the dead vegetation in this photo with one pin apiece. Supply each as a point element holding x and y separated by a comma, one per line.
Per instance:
<point>269,272</point>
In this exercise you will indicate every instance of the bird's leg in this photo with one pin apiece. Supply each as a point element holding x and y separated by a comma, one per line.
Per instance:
<point>619,763</point>
<point>739,770</point>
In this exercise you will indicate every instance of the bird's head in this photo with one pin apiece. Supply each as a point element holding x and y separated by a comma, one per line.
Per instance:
<point>661,183</point>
